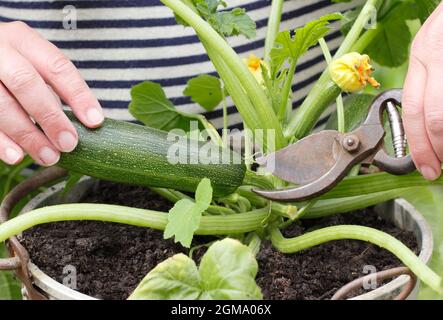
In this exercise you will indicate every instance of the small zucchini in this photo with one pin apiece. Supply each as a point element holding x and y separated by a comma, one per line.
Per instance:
<point>123,152</point>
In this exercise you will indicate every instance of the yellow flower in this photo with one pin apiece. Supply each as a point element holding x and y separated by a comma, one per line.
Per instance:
<point>352,72</point>
<point>254,64</point>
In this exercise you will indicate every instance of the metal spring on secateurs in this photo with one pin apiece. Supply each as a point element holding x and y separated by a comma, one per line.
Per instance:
<point>397,130</point>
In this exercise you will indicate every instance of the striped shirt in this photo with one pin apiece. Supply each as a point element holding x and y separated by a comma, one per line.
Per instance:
<point>117,44</point>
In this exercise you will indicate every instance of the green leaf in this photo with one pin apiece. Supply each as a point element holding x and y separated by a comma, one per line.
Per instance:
<point>426,7</point>
<point>390,47</point>
<point>184,218</point>
<point>356,109</point>
<point>234,23</point>
<point>288,47</point>
<point>151,106</point>
<point>203,194</point>
<point>205,90</point>
<point>227,23</point>
<point>174,278</point>
<point>227,271</point>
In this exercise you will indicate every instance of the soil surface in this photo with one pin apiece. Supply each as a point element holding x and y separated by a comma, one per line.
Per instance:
<point>111,259</point>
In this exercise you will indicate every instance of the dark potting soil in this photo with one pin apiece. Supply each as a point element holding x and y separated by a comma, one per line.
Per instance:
<point>111,259</point>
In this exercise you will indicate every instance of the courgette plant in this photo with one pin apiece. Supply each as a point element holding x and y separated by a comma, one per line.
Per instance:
<point>216,199</point>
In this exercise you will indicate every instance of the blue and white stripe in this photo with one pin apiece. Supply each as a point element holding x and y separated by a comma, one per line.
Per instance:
<point>118,44</point>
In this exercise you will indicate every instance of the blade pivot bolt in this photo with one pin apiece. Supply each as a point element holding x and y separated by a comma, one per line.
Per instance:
<point>351,143</point>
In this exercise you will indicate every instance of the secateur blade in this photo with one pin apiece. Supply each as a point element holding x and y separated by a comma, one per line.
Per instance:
<point>305,161</point>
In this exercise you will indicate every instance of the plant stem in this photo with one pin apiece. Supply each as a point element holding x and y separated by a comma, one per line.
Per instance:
<point>210,130</point>
<point>263,108</point>
<point>254,198</point>
<point>366,38</point>
<point>248,146</point>
<point>325,90</point>
<point>357,28</point>
<point>254,242</point>
<point>325,50</point>
<point>225,119</point>
<point>15,171</point>
<point>284,210</point>
<point>324,208</point>
<point>253,179</point>
<point>286,92</point>
<point>273,27</point>
<point>209,225</point>
<point>339,100</point>
<point>379,238</point>
<point>377,182</point>
<point>168,194</point>
<point>174,196</point>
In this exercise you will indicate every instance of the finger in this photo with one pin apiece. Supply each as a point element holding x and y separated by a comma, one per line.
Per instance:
<point>57,70</point>
<point>16,124</point>
<point>10,152</point>
<point>433,104</point>
<point>23,81</point>
<point>420,146</point>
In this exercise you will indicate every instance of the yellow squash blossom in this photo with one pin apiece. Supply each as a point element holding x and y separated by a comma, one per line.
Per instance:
<point>352,72</point>
<point>254,64</point>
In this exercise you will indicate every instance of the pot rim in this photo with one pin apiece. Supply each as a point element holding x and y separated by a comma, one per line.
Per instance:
<point>60,291</point>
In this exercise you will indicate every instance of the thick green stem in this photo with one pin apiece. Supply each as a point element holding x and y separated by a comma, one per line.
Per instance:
<point>273,27</point>
<point>263,108</point>
<point>330,207</point>
<point>254,243</point>
<point>325,91</point>
<point>254,198</point>
<point>367,37</point>
<point>379,238</point>
<point>234,87</point>
<point>209,225</point>
<point>353,35</point>
<point>253,179</point>
<point>377,182</point>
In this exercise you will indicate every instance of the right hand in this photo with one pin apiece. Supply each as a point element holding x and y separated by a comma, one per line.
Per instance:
<point>423,97</point>
<point>33,75</point>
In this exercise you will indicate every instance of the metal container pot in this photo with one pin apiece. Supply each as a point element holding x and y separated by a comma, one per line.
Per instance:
<point>403,214</point>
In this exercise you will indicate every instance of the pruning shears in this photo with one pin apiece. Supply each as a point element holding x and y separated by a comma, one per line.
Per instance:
<point>320,161</point>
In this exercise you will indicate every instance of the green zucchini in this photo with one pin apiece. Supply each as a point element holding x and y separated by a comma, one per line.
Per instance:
<point>123,152</point>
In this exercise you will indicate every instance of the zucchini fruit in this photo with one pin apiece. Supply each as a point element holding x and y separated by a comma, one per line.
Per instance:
<point>124,152</point>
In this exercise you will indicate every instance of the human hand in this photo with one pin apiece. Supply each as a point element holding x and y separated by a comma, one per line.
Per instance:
<point>423,97</point>
<point>30,69</point>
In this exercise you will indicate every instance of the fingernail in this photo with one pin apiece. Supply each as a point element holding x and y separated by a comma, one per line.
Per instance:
<point>67,141</point>
<point>95,117</point>
<point>12,155</point>
<point>428,172</point>
<point>48,156</point>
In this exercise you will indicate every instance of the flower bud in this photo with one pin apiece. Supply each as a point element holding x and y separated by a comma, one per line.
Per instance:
<point>352,72</point>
